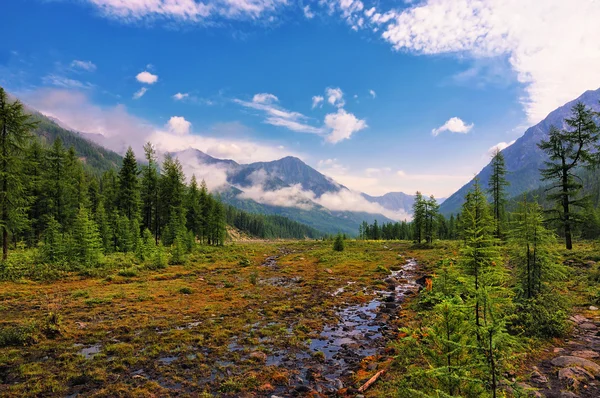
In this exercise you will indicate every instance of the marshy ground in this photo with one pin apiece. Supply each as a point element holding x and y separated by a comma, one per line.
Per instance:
<point>250,319</point>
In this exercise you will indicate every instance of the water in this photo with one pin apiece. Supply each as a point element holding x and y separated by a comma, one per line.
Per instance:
<point>91,351</point>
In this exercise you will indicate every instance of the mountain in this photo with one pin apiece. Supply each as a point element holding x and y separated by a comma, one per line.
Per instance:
<point>395,201</point>
<point>288,172</point>
<point>524,158</point>
<point>95,157</point>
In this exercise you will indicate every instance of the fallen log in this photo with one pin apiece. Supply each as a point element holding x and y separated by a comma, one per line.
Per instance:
<point>371,381</point>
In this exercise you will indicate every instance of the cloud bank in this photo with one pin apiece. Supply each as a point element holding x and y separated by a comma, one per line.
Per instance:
<point>453,125</point>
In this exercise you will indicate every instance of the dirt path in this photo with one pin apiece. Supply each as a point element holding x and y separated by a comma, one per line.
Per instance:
<point>572,370</point>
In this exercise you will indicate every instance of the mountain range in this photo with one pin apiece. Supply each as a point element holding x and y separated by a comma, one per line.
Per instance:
<point>290,188</point>
<point>523,159</point>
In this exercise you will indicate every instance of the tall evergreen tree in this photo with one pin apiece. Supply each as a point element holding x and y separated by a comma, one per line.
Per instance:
<point>431,211</point>
<point>56,181</point>
<point>194,209</point>
<point>128,195</point>
<point>34,166</point>
<point>567,150</point>
<point>149,192</point>
<point>419,216</point>
<point>496,189</point>
<point>14,135</point>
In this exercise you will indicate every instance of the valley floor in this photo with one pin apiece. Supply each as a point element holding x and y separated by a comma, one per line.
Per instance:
<point>253,319</point>
<point>250,319</point>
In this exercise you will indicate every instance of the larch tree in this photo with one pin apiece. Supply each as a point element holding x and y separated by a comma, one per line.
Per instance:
<point>419,216</point>
<point>496,189</point>
<point>150,193</point>
<point>14,135</point>
<point>128,195</point>
<point>567,150</point>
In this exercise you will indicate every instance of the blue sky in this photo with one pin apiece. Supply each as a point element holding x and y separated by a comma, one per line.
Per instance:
<point>391,75</point>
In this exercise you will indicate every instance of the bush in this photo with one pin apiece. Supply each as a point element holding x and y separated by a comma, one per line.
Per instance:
<point>186,290</point>
<point>543,316</point>
<point>338,244</point>
<point>21,335</point>
<point>128,272</point>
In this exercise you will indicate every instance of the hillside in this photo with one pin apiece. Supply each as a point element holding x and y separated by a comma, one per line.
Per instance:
<point>524,158</point>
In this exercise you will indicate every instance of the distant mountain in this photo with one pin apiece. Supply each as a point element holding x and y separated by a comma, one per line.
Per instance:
<point>395,201</point>
<point>285,173</point>
<point>524,158</point>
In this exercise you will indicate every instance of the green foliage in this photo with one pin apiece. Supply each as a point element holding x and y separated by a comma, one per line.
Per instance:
<point>20,335</point>
<point>544,315</point>
<point>338,244</point>
<point>567,150</point>
<point>159,259</point>
<point>87,244</point>
<point>497,185</point>
<point>186,290</point>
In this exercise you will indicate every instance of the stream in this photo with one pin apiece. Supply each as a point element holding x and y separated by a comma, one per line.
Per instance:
<point>361,331</point>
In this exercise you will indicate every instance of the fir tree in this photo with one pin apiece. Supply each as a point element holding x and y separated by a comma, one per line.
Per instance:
<point>419,217</point>
<point>497,185</point>
<point>128,196</point>
<point>87,243</point>
<point>338,244</point>
<point>14,135</point>
<point>567,150</point>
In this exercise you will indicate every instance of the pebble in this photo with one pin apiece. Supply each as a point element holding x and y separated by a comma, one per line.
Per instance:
<point>593,308</point>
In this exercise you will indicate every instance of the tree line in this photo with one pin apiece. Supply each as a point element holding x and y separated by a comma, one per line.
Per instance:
<point>268,226</point>
<point>50,200</point>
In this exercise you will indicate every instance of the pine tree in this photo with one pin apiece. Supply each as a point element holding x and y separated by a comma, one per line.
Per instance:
<point>497,185</point>
<point>194,209</point>
<point>149,192</point>
<point>419,217</point>
<point>430,215</point>
<point>128,195</point>
<point>14,135</point>
<point>172,193</point>
<point>87,243</point>
<point>536,261</point>
<point>34,165</point>
<point>479,253</point>
<point>53,249</point>
<point>56,180</point>
<point>338,244</point>
<point>206,209</point>
<point>567,150</point>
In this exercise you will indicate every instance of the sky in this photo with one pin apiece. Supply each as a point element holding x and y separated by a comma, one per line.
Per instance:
<point>382,96</point>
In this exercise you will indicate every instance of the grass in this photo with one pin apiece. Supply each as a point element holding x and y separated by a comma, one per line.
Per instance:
<point>198,313</point>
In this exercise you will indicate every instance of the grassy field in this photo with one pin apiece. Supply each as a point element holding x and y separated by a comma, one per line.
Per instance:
<point>213,327</point>
<point>183,329</point>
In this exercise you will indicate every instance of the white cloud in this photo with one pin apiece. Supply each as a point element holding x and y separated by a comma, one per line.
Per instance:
<point>453,125</point>
<point>180,96</point>
<point>555,65</point>
<point>373,93</point>
<point>317,100</point>
<point>115,128</point>
<point>83,65</point>
<point>308,13</point>
<point>65,82</point>
<point>191,11</point>
<point>335,96</point>
<point>342,125</point>
<point>499,147</point>
<point>140,93</point>
<point>264,98</point>
<point>178,125</point>
<point>146,77</point>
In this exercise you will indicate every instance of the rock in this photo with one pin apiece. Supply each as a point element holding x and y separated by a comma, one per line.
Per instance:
<point>571,361</point>
<point>578,319</point>
<point>557,350</point>
<point>258,356</point>
<point>588,326</point>
<point>537,377</point>
<point>593,308</point>
<point>568,394</point>
<point>329,271</point>
<point>529,390</point>
<point>338,384</point>
<point>587,354</point>
<point>573,376</point>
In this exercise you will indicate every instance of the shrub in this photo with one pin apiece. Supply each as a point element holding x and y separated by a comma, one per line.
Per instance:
<point>543,316</point>
<point>20,335</point>
<point>186,290</point>
<point>338,243</point>
<point>128,272</point>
